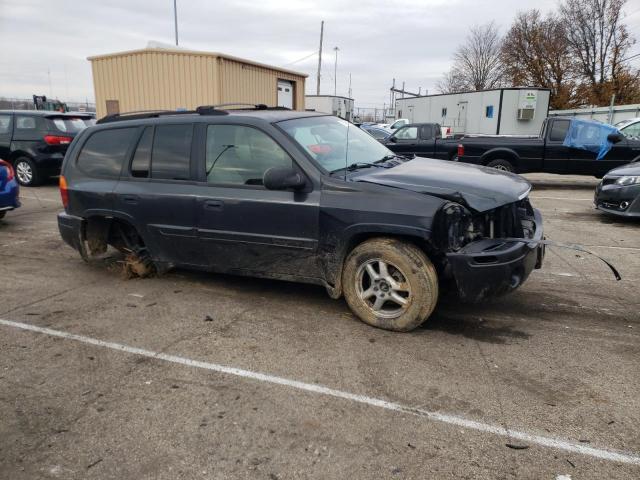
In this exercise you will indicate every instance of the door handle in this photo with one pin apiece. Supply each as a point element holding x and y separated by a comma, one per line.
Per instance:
<point>130,199</point>
<point>214,205</point>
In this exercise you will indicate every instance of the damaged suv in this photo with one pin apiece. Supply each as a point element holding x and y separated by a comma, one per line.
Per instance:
<point>298,196</point>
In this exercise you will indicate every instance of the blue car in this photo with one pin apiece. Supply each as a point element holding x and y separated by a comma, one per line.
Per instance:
<point>8,189</point>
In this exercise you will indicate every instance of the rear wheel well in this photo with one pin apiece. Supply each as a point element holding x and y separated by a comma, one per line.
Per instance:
<point>100,232</point>
<point>509,157</point>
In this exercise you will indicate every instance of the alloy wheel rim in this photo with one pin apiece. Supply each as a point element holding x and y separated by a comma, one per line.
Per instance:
<point>24,172</point>
<point>502,168</point>
<point>383,288</point>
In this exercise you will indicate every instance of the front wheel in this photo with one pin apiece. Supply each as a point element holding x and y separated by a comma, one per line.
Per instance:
<point>26,172</point>
<point>390,284</point>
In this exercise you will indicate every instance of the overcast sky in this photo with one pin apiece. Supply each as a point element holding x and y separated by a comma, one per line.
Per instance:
<point>411,40</point>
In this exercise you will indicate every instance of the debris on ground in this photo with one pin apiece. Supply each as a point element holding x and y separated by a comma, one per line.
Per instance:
<point>516,446</point>
<point>208,318</point>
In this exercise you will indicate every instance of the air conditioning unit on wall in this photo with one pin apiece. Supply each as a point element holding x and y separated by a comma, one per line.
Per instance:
<point>526,113</point>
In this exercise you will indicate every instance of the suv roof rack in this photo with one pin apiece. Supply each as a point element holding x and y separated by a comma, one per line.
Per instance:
<point>201,110</point>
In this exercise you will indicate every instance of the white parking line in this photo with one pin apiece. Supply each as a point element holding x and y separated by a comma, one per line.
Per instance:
<point>41,199</point>
<point>557,443</point>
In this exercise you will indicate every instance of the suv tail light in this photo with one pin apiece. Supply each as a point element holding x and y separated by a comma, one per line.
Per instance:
<point>64,192</point>
<point>460,150</point>
<point>10,172</point>
<point>57,140</point>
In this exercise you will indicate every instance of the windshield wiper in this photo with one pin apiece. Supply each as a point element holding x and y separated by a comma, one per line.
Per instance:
<point>391,156</point>
<point>359,165</point>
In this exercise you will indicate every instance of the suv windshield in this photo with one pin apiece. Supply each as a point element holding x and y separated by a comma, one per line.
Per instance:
<point>334,143</point>
<point>68,124</point>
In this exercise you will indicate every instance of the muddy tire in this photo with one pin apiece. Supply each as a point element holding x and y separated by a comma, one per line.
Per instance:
<point>503,165</point>
<point>390,284</point>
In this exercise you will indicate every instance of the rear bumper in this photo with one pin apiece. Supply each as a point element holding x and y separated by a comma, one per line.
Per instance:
<point>72,231</point>
<point>9,196</point>
<point>491,267</point>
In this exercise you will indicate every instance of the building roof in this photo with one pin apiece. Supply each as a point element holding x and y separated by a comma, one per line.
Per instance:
<point>182,51</point>
<point>544,89</point>
<point>328,96</point>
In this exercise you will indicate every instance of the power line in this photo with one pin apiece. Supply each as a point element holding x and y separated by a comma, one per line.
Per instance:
<point>303,58</point>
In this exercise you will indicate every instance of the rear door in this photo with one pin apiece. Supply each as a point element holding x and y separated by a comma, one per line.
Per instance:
<point>155,193</point>
<point>556,154</point>
<point>242,225</point>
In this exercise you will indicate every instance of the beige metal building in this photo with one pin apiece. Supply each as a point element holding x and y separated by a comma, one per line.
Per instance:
<point>162,78</point>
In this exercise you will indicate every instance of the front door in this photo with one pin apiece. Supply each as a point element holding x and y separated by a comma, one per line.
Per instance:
<point>555,153</point>
<point>462,118</point>
<point>405,141</point>
<point>245,227</point>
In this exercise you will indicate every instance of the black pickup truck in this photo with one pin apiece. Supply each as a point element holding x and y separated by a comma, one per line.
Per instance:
<point>545,153</point>
<point>421,140</point>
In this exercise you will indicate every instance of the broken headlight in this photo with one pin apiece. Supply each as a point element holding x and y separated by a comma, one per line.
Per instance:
<point>456,227</point>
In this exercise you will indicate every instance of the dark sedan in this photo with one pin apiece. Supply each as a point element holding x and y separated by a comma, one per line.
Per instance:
<point>619,191</point>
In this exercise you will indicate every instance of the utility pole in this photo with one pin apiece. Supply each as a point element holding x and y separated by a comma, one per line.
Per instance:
<point>50,89</point>
<point>335,73</point>
<point>319,58</point>
<point>350,85</point>
<point>175,19</point>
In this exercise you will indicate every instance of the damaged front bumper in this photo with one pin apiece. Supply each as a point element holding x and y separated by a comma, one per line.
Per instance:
<point>490,267</point>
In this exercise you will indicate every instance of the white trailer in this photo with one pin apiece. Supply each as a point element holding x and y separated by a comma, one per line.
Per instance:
<point>334,105</point>
<point>501,111</point>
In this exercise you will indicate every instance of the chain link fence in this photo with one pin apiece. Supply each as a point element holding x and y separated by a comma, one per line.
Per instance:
<point>27,104</point>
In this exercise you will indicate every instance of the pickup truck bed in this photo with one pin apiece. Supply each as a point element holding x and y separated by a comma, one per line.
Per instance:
<point>545,153</point>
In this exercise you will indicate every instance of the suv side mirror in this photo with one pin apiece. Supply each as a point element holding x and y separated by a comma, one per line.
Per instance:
<point>393,139</point>
<point>283,178</point>
<point>615,137</point>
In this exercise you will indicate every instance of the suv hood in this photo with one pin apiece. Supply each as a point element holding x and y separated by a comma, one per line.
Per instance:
<point>480,188</point>
<point>629,169</point>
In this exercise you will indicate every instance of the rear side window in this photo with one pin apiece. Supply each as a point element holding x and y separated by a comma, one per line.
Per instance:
<point>104,152</point>
<point>5,123</point>
<point>25,123</point>
<point>141,162</point>
<point>559,130</point>
<point>171,152</point>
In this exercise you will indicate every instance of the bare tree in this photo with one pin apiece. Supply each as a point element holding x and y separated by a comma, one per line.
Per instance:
<point>477,63</point>
<point>599,41</point>
<point>536,52</point>
<point>451,82</point>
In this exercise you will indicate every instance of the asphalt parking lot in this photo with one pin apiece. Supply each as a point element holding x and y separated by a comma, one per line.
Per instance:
<point>194,375</point>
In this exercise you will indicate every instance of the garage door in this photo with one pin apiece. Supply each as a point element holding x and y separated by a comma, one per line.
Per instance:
<point>285,93</point>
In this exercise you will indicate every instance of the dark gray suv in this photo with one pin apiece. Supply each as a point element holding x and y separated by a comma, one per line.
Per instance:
<point>297,196</point>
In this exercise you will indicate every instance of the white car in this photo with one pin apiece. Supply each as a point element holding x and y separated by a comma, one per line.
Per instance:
<point>401,122</point>
<point>630,128</point>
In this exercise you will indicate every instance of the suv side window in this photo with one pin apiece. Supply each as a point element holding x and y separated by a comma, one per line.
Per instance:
<point>141,163</point>
<point>171,154</point>
<point>240,155</point>
<point>104,152</point>
<point>24,122</point>
<point>559,130</point>
<point>5,124</point>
